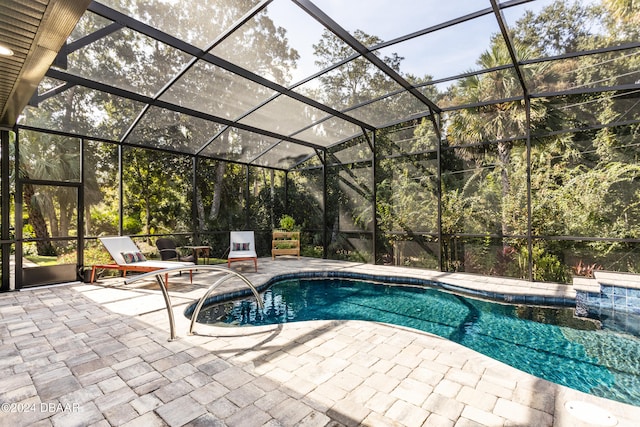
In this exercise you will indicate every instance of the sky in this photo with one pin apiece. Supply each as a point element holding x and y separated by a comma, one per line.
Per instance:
<point>442,54</point>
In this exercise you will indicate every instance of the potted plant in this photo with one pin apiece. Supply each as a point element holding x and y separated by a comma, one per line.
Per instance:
<point>287,223</point>
<point>286,241</point>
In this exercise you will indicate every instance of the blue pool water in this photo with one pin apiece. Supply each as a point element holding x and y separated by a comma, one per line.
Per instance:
<point>548,343</point>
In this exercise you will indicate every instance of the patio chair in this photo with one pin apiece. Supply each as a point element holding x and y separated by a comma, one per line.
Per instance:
<point>127,257</point>
<point>169,251</point>
<point>242,247</point>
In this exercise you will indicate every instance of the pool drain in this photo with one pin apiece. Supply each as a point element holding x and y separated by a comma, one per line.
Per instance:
<point>590,413</point>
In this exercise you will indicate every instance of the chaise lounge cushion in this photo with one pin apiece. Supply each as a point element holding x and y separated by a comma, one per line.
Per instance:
<point>132,256</point>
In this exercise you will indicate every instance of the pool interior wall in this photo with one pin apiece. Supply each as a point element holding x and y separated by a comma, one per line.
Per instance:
<point>610,297</point>
<point>510,298</point>
<point>613,298</point>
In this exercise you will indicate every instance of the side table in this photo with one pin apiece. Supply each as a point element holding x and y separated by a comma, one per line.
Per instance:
<point>196,250</point>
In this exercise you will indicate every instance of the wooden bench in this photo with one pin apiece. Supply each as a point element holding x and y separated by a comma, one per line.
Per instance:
<point>285,243</point>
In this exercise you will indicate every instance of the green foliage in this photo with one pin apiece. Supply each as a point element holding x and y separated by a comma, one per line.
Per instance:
<point>131,225</point>
<point>283,245</point>
<point>155,188</point>
<point>551,33</point>
<point>311,251</point>
<point>93,254</point>
<point>547,267</point>
<point>104,221</point>
<point>268,206</point>
<point>287,223</point>
<point>47,260</point>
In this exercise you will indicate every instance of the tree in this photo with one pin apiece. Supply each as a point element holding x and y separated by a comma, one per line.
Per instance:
<point>585,183</point>
<point>49,209</point>
<point>499,124</point>
<point>221,186</point>
<point>356,81</point>
<point>349,86</point>
<point>156,186</point>
<point>550,32</point>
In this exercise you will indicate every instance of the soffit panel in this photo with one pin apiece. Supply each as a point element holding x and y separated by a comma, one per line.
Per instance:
<point>35,30</point>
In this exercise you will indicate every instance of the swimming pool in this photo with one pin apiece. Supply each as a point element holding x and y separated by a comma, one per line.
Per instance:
<point>546,342</point>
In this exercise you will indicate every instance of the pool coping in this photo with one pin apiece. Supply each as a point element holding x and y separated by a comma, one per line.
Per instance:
<point>505,290</point>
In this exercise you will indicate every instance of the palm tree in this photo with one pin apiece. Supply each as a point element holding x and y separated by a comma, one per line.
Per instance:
<point>500,122</point>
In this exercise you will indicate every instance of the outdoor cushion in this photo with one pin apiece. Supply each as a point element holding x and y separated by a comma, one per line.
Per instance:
<point>241,246</point>
<point>132,256</point>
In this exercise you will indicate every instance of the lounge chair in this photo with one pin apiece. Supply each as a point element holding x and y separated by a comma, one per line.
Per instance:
<point>242,247</point>
<point>127,257</point>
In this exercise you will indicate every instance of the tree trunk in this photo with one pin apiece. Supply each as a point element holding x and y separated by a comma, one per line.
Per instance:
<point>504,155</point>
<point>335,231</point>
<point>63,224</point>
<point>46,206</point>
<point>200,208</point>
<point>68,199</point>
<point>272,197</point>
<point>147,222</point>
<point>37,221</point>
<point>217,190</point>
<point>87,220</point>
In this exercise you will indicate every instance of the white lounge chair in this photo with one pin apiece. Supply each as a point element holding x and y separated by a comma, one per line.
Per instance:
<point>127,257</point>
<point>242,247</point>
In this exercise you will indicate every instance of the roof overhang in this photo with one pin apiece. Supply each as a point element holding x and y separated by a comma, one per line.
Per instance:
<point>35,30</point>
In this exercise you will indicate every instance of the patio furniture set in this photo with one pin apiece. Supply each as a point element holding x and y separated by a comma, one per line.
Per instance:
<point>127,257</point>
